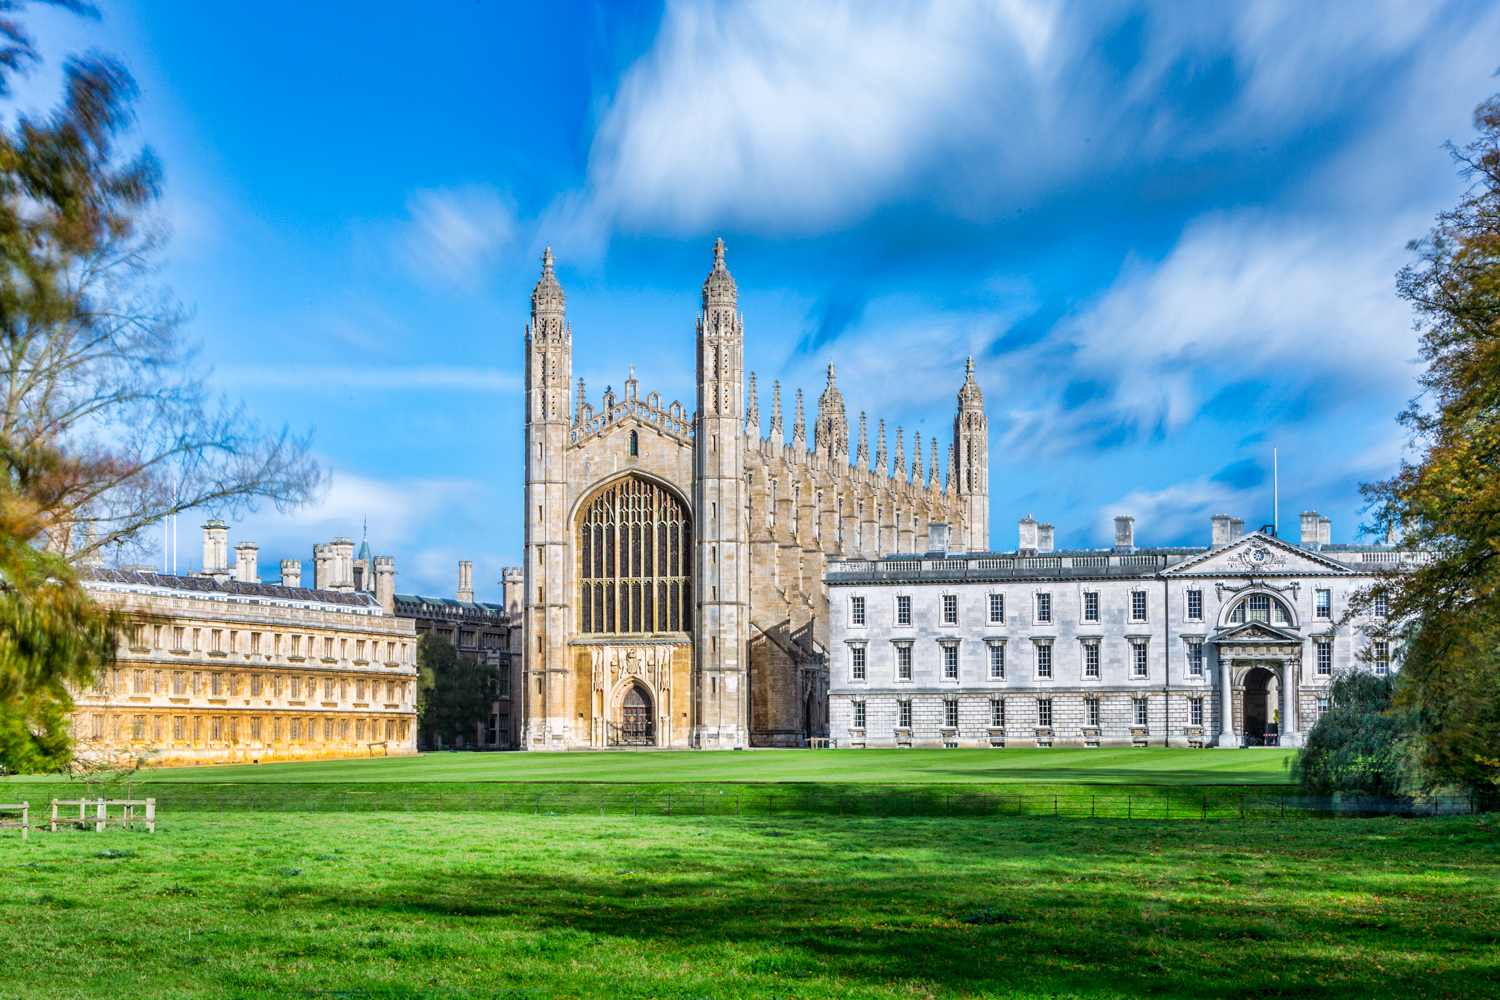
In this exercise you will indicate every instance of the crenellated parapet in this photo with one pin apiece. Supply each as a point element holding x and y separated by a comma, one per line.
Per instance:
<point>672,421</point>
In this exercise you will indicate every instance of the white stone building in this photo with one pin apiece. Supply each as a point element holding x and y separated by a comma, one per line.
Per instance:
<point>1230,644</point>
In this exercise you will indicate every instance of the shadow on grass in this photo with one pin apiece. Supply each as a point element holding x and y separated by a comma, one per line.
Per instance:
<point>1087,912</point>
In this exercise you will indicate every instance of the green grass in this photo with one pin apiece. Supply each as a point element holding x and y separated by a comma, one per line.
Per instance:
<point>456,905</point>
<point>1146,766</point>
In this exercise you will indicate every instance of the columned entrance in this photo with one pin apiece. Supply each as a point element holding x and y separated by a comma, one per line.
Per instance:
<point>1257,701</point>
<point>1258,671</point>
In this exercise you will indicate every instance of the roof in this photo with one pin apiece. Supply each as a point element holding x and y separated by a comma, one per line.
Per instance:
<point>231,590</point>
<point>438,607</point>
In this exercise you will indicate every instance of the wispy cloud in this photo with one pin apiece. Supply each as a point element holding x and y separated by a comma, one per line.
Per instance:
<point>453,236</point>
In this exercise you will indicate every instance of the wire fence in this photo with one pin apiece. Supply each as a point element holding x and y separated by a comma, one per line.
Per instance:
<point>893,803</point>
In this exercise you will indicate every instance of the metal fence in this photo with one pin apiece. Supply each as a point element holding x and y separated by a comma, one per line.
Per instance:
<point>887,803</point>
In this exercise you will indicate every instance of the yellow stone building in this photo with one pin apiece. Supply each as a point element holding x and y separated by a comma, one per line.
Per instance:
<point>215,669</point>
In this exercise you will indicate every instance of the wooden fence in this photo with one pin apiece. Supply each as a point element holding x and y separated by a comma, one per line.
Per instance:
<point>101,816</point>
<point>24,824</point>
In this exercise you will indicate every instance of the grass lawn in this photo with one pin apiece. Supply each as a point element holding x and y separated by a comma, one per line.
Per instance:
<point>1146,766</point>
<point>241,905</point>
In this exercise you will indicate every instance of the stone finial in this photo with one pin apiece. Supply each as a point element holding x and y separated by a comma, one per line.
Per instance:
<point>950,482</point>
<point>718,288</point>
<point>862,454</point>
<point>934,475</point>
<point>970,396</point>
<point>831,432</point>
<point>547,296</point>
<point>776,433</point>
<point>799,426</point>
<point>578,413</point>
<point>752,411</point>
<point>918,474</point>
<point>900,470</point>
<point>882,466</point>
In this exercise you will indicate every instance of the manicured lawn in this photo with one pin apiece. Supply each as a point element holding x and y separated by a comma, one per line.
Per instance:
<point>455,905</point>
<point>1147,766</point>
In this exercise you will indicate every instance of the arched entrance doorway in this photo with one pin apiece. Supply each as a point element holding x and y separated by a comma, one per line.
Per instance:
<point>635,727</point>
<point>1258,705</point>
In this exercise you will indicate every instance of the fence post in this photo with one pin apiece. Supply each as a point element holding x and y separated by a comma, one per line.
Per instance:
<point>25,820</point>
<point>102,813</point>
<point>54,815</point>
<point>1054,803</point>
<point>1091,805</point>
<point>151,815</point>
<point>538,803</point>
<point>346,802</point>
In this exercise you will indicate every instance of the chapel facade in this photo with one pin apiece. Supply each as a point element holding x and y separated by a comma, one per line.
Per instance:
<point>675,561</point>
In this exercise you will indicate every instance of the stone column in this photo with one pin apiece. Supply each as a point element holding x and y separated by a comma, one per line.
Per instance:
<point>1288,727</point>
<point>1226,706</point>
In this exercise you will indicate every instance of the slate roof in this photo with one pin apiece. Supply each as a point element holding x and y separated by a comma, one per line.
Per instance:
<point>231,589</point>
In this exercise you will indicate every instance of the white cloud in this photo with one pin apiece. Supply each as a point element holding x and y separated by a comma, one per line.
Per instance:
<point>453,235</point>
<point>1178,512</point>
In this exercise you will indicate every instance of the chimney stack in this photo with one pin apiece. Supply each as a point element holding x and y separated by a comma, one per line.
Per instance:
<point>1236,528</point>
<point>1310,539</point>
<point>1026,546</point>
<point>322,567</point>
<point>291,572</point>
<point>465,580</point>
<point>937,538</point>
<point>1124,533</point>
<point>1325,531</point>
<point>216,549</point>
<point>512,579</point>
<point>1227,529</point>
<point>1044,538</point>
<point>385,582</point>
<point>343,565</point>
<point>247,562</point>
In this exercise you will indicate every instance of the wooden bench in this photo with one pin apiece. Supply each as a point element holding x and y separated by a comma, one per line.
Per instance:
<point>25,824</point>
<point>101,815</point>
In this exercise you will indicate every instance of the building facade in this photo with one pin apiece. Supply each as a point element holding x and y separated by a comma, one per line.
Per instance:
<point>482,633</point>
<point>674,588</point>
<point>221,668</point>
<point>1231,644</point>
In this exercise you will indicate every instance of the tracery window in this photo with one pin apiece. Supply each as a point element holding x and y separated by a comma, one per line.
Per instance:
<point>635,544</point>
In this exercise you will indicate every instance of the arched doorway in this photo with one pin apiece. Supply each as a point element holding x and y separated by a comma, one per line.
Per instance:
<point>1257,705</point>
<point>635,727</point>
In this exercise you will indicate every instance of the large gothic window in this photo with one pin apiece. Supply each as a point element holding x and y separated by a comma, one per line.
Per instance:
<point>635,542</point>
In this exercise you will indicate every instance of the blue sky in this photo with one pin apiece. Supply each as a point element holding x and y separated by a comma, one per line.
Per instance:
<point>1167,233</point>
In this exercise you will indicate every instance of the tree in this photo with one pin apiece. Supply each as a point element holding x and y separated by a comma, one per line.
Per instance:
<point>455,695</point>
<point>1364,744</point>
<point>1445,613</point>
<point>106,422</point>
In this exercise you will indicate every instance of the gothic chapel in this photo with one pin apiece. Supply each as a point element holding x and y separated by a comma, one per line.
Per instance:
<point>675,589</point>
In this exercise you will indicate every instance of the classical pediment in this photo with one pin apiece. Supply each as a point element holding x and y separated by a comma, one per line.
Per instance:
<point>1259,555</point>
<point>1258,633</point>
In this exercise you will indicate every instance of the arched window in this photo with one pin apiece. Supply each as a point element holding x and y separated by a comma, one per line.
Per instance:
<point>1261,608</point>
<point>635,544</point>
<point>635,445</point>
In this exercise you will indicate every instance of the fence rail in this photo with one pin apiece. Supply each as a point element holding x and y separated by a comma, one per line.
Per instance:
<point>24,808</point>
<point>101,816</point>
<point>1185,804</point>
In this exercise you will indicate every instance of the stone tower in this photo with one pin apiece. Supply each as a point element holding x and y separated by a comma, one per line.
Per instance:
<point>721,585</point>
<point>549,363</point>
<point>972,472</point>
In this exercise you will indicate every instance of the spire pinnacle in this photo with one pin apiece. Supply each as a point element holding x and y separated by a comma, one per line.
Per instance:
<point>970,396</point>
<point>752,409</point>
<point>862,456</point>
<point>799,426</point>
<point>900,470</point>
<point>881,465</point>
<point>775,432</point>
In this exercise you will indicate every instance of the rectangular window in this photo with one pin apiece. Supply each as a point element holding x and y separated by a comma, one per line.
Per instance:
<point>296,733</point>
<point>328,689</point>
<point>903,661</point>
<point>950,609</point>
<point>1195,658</point>
<point>1091,659</point>
<point>1195,605</point>
<point>139,682</point>
<point>1044,712</point>
<point>1044,659</point>
<point>859,714</point>
<point>1091,711</point>
<point>179,636</point>
<point>997,609</point>
<point>327,729</point>
<point>1323,604</point>
<point>856,610</point>
<point>950,662</point>
<point>1325,657</point>
<point>255,685</point>
<point>328,647</point>
<point>137,727</point>
<point>1137,605</point>
<point>234,641</point>
<point>1140,711</point>
<point>179,684</point>
<point>1382,605</point>
<point>1322,708</point>
<point>359,646</point>
<point>903,714</point>
<point>997,712</point>
<point>216,728</point>
<point>950,714</point>
<point>1140,659</point>
<point>857,662</point>
<point>197,728</point>
<point>1195,711</point>
<point>903,611</point>
<point>1091,606</point>
<point>296,687</point>
<point>1381,656</point>
<point>179,727</point>
<point>255,728</point>
<point>296,645</point>
<point>254,643</point>
<point>1044,608</point>
<point>198,640</point>
<point>216,685</point>
<point>997,661</point>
